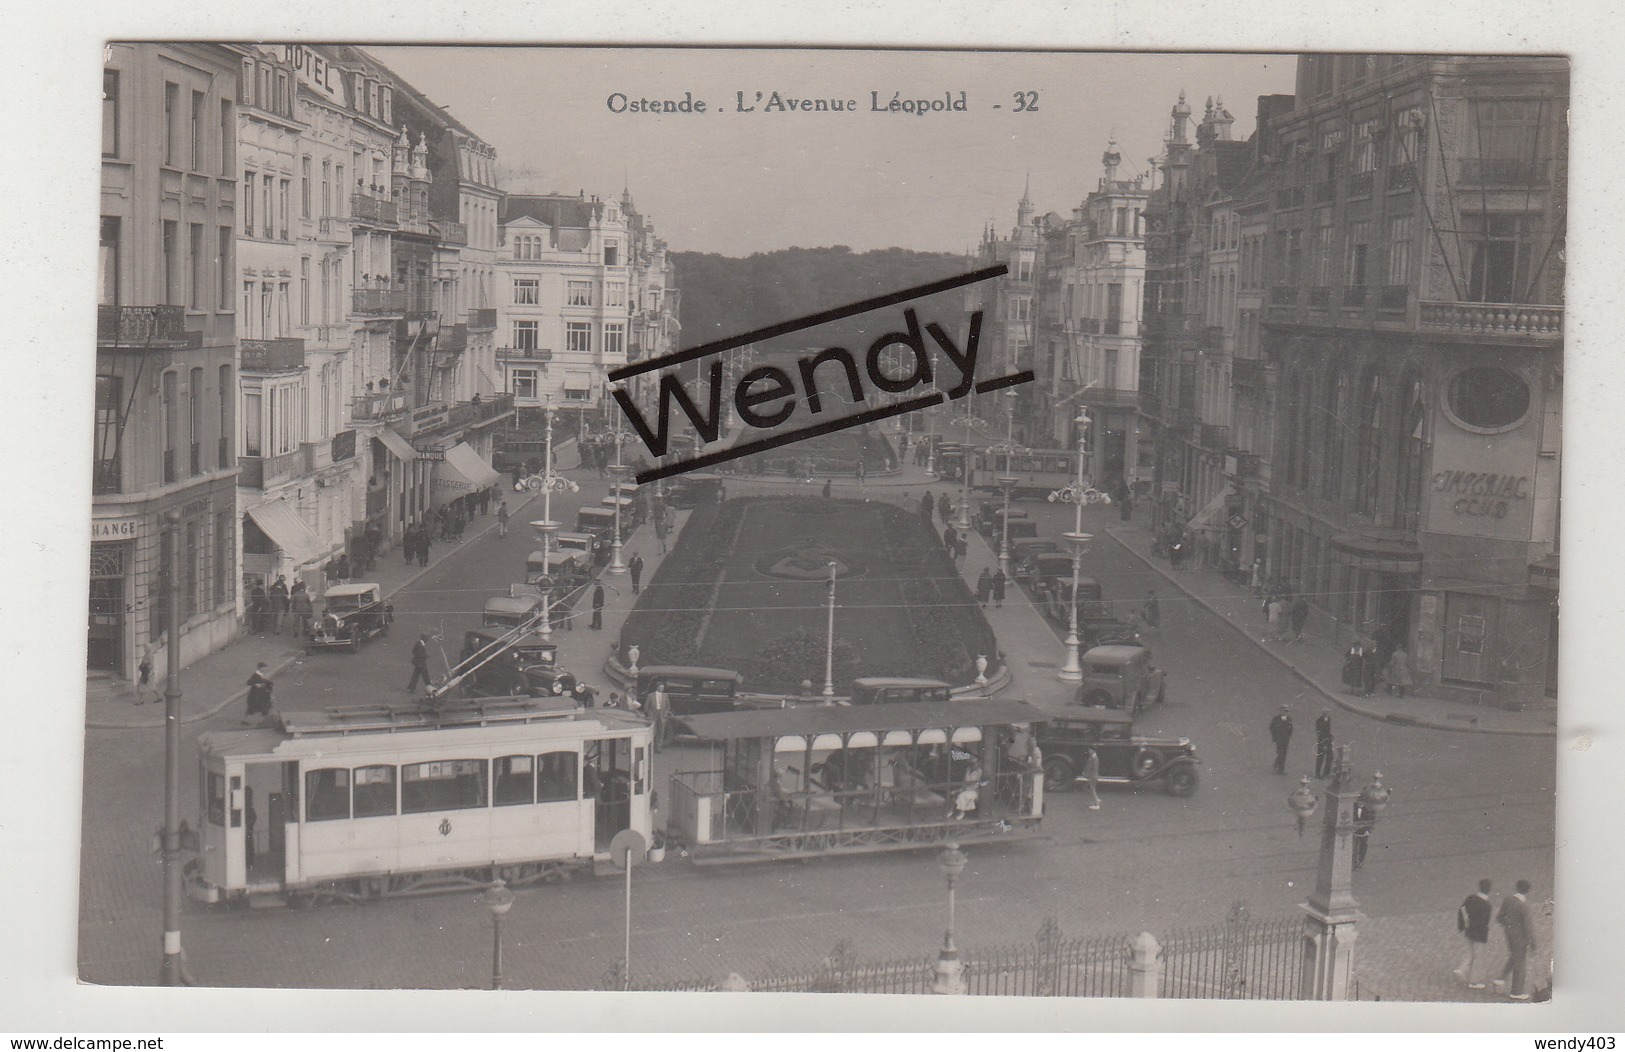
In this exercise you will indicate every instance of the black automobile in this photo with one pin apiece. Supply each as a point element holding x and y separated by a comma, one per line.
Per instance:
<point>1126,758</point>
<point>502,672</point>
<point>350,614</point>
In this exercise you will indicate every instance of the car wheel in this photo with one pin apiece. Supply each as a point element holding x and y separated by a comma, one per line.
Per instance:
<point>355,643</point>
<point>1058,774</point>
<point>1100,699</point>
<point>1182,780</point>
<point>1144,763</point>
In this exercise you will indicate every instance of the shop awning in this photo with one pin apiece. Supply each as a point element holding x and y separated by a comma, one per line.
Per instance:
<point>1211,517</point>
<point>287,530</point>
<point>397,445</point>
<point>463,471</point>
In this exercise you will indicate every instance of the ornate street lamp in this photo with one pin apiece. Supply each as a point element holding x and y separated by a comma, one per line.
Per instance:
<point>1332,912</point>
<point>499,900</point>
<point>950,972</point>
<point>174,837</point>
<point>962,523</point>
<point>547,527</point>
<point>1072,668</point>
<point>616,471</point>
<point>829,643</point>
<point>1006,483</point>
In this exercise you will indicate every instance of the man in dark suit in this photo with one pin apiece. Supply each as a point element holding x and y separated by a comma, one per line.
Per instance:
<point>1323,744</point>
<point>1473,921</point>
<point>1515,921</point>
<point>1281,735</point>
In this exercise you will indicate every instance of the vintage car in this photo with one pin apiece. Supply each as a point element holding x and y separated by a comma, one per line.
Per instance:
<point>693,689</point>
<point>511,610</point>
<point>1126,758</point>
<point>350,613</point>
<point>492,669</point>
<point>1026,557</point>
<point>692,488</point>
<point>879,690</point>
<point>1118,676</point>
<point>1021,525</point>
<point>560,566</point>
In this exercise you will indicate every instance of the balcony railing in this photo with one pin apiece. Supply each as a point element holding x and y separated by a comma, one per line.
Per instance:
<point>163,326</point>
<point>261,472</point>
<point>1523,320</point>
<point>1353,296</point>
<point>1215,436</point>
<point>1499,171</point>
<point>379,301</point>
<point>482,318</point>
<point>378,406</point>
<point>374,210</point>
<point>524,354</point>
<point>1110,397</point>
<point>1402,177</point>
<point>277,355</point>
<point>1320,297</point>
<point>448,232</point>
<point>107,476</point>
<point>335,229</point>
<point>1394,297</point>
<point>469,414</point>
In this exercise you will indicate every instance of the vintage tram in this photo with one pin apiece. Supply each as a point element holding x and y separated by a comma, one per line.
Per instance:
<point>368,801</point>
<point>826,780</point>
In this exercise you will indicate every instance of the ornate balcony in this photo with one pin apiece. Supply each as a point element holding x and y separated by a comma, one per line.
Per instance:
<point>471,414</point>
<point>334,230</point>
<point>482,318</point>
<point>1500,171</point>
<point>453,340</point>
<point>374,211</point>
<point>524,354</point>
<point>449,233</point>
<point>107,476</point>
<point>272,356</point>
<point>378,301</point>
<point>156,327</point>
<point>1516,320</point>
<point>263,472</point>
<point>378,406</point>
<point>1109,398</point>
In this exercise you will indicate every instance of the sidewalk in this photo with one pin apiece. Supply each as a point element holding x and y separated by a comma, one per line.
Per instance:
<point>1319,661</point>
<point>213,682</point>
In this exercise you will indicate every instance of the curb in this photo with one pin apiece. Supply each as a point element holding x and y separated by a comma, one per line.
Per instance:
<point>1404,719</point>
<point>277,667</point>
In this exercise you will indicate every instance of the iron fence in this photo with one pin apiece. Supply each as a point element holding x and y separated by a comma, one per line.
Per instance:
<point>1242,959</point>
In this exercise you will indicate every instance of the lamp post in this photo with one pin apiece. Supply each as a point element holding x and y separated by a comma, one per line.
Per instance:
<point>1332,912</point>
<point>950,971</point>
<point>499,900</point>
<point>547,527</point>
<point>931,442</point>
<point>962,523</point>
<point>172,972</point>
<point>1072,668</point>
<point>1008,479</point>
<point>616,471</point>
<point>829,643</point>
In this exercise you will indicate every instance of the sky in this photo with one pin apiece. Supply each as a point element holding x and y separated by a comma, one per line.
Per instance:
<point>741,182</point>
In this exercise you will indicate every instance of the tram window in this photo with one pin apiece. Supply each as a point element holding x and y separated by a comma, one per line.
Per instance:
<point>443,785</point>
<point>556,777</point>
<point>374,791</point>
<point>215,785</point>
<point>327,794</point>
<point>512,781</point>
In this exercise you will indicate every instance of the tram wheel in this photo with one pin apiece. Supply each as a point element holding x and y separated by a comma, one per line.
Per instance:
<point>1058,774</point>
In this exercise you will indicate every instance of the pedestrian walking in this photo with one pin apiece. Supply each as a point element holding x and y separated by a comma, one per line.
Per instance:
<point>1370,665</point>
<point>278,594</point>
<point>1323,744</point>
<point>420,664</point>
<point>259,695</point>
<point>1299,616</point>
<point>1091,777</point>
<point>1365,820</point>
<point>1397,676</point>
<point>425,541</point>
<point>344,570</point>
<point>597,607</point>
<point>927,506</point>
<point>950,541</point>
<point>1255,579</point>
<point>658,706</point>
<point>1473,921</point>
<point>1281,735</point>
<point>1153,609</point>
<point>945,507</point>
<point>1275,633</point>
<point>1515,923</point>
<point>660,532</point>
<point>1176,553</point>
<point>502,519</point>
<point>635,568</point>
<point>258,608</point>
<point>1354,667</point>
<point>984,587</point>
<point>144,676</point>
<point>303,610</point>
<point>827,488</point>
<point>860,472</point>
<point>999,580</point>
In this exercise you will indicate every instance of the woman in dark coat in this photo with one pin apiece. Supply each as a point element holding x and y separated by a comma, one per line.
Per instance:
<point>998,588</point>
<point>984,586</point>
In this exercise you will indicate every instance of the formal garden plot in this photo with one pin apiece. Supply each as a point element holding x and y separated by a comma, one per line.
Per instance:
<point>747,588</point>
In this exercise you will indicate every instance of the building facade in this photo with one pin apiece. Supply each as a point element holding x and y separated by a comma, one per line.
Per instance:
<point>166,355</point>
<point>1414,323</point>
<point>1009,334</point>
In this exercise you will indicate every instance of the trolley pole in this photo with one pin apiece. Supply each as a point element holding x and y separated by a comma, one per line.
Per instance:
<point>172,973</point>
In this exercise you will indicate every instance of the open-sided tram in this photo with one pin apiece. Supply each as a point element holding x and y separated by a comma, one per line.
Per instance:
<point>799,782</point>
<point>369,801</point>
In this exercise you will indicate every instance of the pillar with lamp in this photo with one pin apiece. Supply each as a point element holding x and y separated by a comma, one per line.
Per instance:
<point>1332,913</point>
<point>950,970</point>
<point>617,471</point>
<point>829,641</point>
<point>1008,480</point>
<point>1072,667</point>
<point>499,900</point>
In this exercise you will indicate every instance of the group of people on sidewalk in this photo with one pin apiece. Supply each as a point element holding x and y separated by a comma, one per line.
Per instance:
<point>1365,665</point>
<point>269,607</point>
<point>1473,922</point>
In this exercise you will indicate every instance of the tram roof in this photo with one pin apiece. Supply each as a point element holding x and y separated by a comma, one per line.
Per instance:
<point>839,719</point>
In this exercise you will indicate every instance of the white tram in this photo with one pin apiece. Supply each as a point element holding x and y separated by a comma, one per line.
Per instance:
<point>381,800</point>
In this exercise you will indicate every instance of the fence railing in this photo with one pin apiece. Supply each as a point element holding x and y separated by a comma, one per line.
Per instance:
<point>1243,958</point>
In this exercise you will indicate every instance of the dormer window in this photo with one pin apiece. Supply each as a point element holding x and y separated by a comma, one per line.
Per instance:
<point>612,254</point>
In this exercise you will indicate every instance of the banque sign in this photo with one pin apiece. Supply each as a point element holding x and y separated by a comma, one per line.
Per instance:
<point>767,396</point>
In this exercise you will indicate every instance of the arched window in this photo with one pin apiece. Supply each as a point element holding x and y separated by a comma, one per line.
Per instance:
<point>1368,463</point>
<point>1338,425</point>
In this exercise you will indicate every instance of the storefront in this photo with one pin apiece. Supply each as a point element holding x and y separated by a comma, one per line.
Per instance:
<point>277,542</point>
<point>460,471</point>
